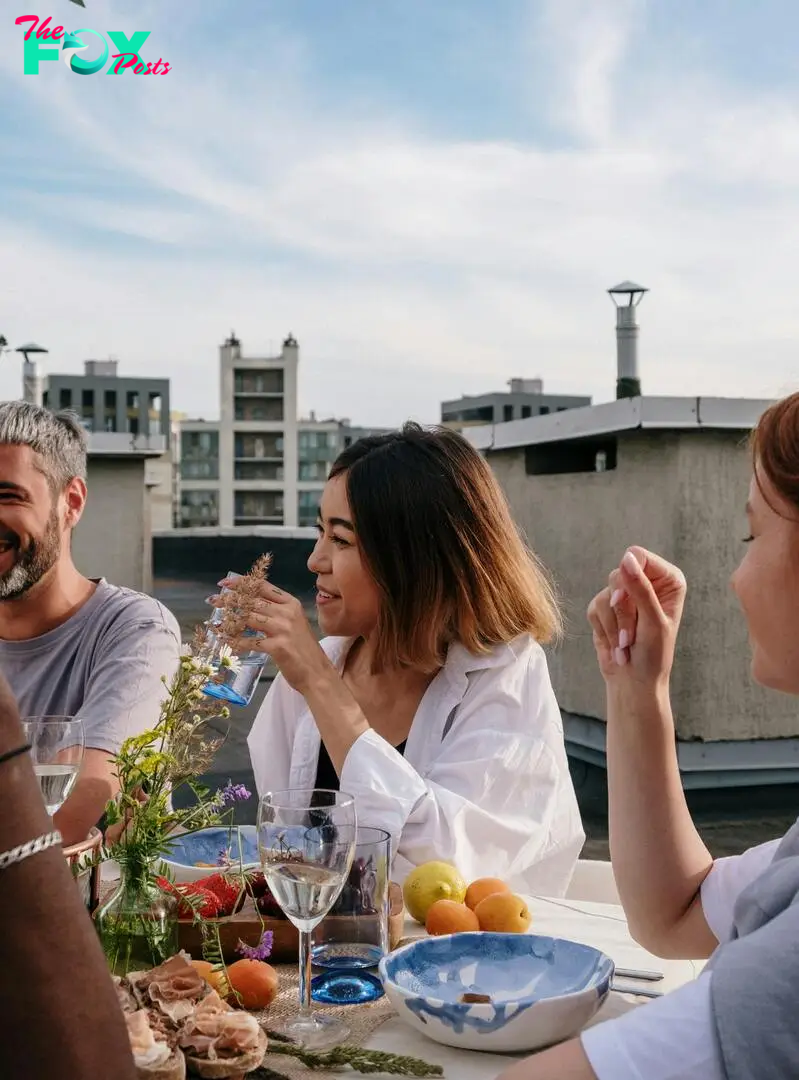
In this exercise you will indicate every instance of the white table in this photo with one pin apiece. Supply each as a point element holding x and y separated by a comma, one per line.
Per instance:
<point>600,925</point>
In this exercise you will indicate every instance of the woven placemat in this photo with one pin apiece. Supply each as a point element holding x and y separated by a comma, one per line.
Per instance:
<point>362,1020</point>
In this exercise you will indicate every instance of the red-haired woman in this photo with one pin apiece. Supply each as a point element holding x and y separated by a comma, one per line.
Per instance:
<point>739,1019</point>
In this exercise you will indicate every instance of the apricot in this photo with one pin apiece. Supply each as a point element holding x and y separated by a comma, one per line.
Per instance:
<point>449,917</point>
<point>503,913</point>
<point>253,984</point>
<point>483,887</point>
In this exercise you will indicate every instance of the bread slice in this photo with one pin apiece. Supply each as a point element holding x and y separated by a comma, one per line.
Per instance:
<point>172,1069</point>
<point>229,1068</point>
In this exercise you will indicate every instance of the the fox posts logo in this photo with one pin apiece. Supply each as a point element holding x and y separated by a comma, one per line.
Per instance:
<point>45,42</point>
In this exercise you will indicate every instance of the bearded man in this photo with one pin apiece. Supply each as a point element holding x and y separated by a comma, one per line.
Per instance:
<point>71,645</point>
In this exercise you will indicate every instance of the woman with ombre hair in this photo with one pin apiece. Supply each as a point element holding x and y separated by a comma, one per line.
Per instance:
<point>429,699</point>
<point>738,1020</point>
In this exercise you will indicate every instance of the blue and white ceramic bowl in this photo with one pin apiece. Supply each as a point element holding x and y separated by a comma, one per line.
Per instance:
<point>542,989</point>
<point>206,845</point>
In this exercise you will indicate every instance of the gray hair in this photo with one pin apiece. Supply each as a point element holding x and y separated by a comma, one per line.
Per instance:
<point>58,438</point>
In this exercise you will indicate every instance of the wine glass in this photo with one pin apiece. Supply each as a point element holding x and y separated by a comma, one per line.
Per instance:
<point>57,745</point>
<point>306,840</point>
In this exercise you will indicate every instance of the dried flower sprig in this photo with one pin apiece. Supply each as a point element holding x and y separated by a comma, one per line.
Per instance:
<point>238,603</point>
<point>363,1061</point>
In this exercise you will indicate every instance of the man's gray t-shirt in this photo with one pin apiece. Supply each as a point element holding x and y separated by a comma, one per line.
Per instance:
<point>104,664</point>
<point>755,983</point>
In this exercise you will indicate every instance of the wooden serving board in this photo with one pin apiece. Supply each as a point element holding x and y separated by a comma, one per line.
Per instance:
<point>248,926</point>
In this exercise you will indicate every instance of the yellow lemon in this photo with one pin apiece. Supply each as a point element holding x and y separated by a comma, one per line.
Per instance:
<point>428,883</point>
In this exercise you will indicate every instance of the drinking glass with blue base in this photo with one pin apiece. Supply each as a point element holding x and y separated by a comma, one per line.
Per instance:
<point>353,938</point>
<point>306,841</point>
<point>234,687</point>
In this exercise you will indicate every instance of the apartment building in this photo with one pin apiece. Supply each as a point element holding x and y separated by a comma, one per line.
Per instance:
<point>259,464</point>
<point>136,406</point>
<point>524,398</point>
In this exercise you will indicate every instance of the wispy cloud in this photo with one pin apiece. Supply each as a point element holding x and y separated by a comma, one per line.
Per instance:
<point>249,188</point>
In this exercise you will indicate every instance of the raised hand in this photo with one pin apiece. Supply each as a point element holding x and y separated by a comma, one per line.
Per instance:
<point>282,631</point>
<point>636,618</point>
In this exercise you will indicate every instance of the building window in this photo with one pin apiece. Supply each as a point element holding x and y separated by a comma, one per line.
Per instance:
<point>64,398</point>
<point>199,455</point>
<point>267,381</point>
<point>87,408</point>
<point>258,507</point>
<point>544,410</point>
<point>255,408</point>
<point>154,414</point>
<point>132,410</point>
<point>313,470</point>
<point>316,452</point>
<point>110,410</point>
<point>526,411</point>
<point>257,470</point>
<point>199,508</point>
<point>308,506</point>
<point>507,412</point>
<point>267,446</point>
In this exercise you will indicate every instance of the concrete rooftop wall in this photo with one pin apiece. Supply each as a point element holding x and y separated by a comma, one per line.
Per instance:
<point>113,538</point>
<point>681,494</point>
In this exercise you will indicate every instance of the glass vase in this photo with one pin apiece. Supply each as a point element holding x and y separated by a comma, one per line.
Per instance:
<point>137,924</point>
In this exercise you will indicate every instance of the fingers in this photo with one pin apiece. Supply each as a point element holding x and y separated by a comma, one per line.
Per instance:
<point>602,618</point>
<point>243,645</point>
<point>265,590</point>
<point>624,609</point>
<point>639,588</point>
<point>656,568</point>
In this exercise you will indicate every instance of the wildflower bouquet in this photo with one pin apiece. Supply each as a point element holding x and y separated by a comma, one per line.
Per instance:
<point>138,923</point>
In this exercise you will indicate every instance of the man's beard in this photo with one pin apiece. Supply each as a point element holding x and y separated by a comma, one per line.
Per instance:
<point>33,561</point>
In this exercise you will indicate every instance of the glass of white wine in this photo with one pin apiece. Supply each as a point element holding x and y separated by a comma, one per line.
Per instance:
<point>57,744</point>
<point>306,840</point>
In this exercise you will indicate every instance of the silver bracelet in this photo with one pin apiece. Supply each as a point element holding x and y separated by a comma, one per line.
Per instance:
<point>33,847</point>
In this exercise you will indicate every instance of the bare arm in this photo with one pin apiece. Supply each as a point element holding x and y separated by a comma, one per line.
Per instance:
<point>62,1018</point>
<point>97,783</point>
<point>659,859</point>
<point>565,1062</point>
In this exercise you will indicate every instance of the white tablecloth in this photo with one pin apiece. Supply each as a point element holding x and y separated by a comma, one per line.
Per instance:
<point>600,925</point>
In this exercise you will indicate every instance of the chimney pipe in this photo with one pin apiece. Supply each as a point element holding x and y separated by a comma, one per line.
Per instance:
<point>32,382</point>
<point>626,298</point>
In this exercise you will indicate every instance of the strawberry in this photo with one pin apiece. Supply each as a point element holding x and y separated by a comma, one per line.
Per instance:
<point>226,891</point>
<point>207,909</point>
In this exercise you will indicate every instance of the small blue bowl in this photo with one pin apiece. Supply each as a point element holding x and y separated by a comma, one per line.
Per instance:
<point>541,990</point>
<point>205,845</point>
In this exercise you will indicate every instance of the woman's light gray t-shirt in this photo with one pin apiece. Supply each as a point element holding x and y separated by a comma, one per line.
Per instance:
<point>103,664</point>
<point>755,984</point>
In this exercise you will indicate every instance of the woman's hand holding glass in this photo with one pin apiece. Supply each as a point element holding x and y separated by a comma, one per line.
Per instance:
<point>636,618</point>
<point>282,631</point>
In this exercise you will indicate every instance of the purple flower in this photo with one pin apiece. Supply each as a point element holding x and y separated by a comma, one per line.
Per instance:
<point>223,858</point>
<point>261,951</point>
<point>232,793</point>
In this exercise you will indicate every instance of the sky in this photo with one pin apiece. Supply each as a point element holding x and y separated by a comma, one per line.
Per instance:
<point>432,197</point>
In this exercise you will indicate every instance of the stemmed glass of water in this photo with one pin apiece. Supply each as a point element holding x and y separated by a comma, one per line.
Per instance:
<point>306,840</point>
<point>57,745</point>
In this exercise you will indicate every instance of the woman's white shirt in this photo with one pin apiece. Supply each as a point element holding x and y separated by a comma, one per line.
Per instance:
<point>484,780</point>
<point>673,1038</point>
